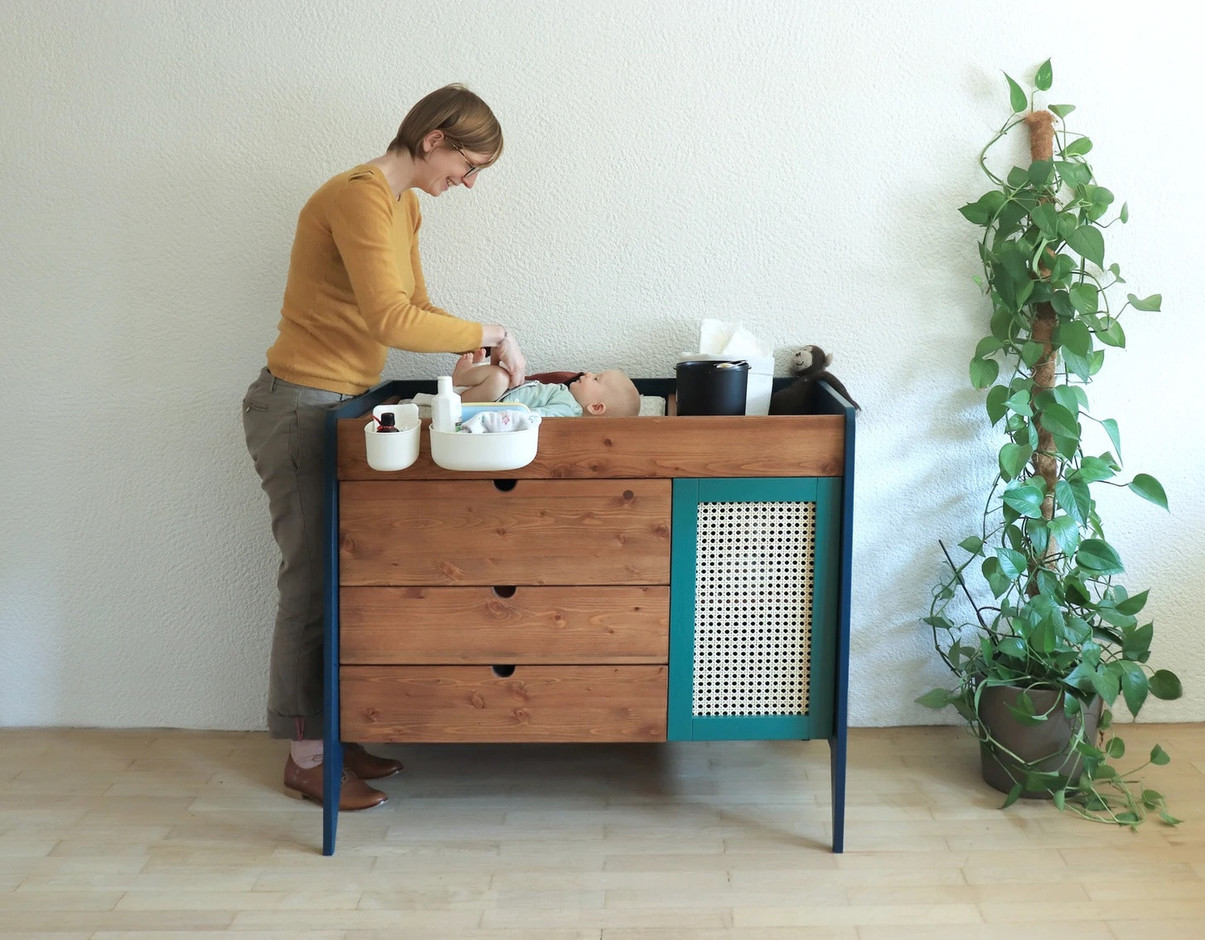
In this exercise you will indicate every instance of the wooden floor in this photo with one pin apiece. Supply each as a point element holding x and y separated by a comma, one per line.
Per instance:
<point>174,834</point>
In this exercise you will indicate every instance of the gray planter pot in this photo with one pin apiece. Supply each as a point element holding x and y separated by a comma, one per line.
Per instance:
<point>1047,745</point>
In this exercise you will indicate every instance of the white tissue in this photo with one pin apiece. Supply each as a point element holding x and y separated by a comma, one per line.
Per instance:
<point>494,422</point>
<point>732,340</point>
<point>719,340</point>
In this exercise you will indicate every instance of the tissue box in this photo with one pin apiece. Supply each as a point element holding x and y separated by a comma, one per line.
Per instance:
<point>761,379</point>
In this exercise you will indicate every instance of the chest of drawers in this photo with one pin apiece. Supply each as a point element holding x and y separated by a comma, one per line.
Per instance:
<point>643,579</point>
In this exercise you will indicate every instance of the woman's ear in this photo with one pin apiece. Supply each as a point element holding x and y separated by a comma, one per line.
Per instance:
<point>432,141</point>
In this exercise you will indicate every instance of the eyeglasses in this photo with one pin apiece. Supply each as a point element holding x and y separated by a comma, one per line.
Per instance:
<point>473,168</point>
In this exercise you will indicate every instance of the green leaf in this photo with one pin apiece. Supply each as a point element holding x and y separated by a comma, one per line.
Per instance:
<point>1153,302</point>
<point>937,698</point>
<point>1137,644</point>
<point>1080,366</point>
<point>1012,562</point>
<point>1168,818</point>
<point>1046,217</point>
<point>1159,757</point>
<point>1015,793</point>
<point>1085,298</point>
<point>1116,748</point>
<point>1150,489</point>
<point>1074,498</point>
<point>1111,334</point>
<point>1099,557</point>
<point>1062,110</point>
<point>1031,352</point>
<point>1041,172</point>
<point>1016,95</point>
<point>972,544</point>
<point>1132,605</point>
<point>1110,427</point>
<point>997,406</point>
<point>1045,75</point>
<point>1060,421</point>
<point>1013,458</point>
<point>984,372</point>
<point>1026,500</point>
<point>1093,469</point>
<point>1077,147</point>
<point>1019,403</point>
<point>1088,242</point>
<point>1134,686</point>
<point>1166,685</point>
<point>1066,533</point>
<point>1075,336</point>
<point>984,209</point>
<point>1073,174</point>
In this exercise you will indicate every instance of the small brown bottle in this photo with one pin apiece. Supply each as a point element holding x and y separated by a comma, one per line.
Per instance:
<point>387,424</point>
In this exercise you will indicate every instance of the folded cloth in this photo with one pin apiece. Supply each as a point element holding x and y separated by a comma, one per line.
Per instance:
<point>492,422</point>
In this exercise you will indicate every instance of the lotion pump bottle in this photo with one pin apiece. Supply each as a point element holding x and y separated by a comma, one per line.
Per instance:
<point>445,407</point>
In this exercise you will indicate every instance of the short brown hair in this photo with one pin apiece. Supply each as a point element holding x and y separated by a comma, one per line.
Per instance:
<point>465,119</point>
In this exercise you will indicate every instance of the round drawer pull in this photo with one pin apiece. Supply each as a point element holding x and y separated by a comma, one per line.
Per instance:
<point>503,672</point>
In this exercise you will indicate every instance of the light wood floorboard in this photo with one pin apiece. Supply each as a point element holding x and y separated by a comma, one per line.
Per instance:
<point>181,834</point>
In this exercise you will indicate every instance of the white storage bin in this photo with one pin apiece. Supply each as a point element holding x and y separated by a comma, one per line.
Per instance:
<point>393,451</point>
<point>503,450</point>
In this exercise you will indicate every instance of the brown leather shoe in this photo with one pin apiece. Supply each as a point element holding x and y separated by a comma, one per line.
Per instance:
<point>354,793</point>
<point>368,766</point>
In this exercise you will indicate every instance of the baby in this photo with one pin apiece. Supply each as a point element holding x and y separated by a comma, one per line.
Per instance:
<point>565,395</point>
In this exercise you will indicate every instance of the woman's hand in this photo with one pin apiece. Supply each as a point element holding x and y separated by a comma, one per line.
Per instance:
<point>509,356</point>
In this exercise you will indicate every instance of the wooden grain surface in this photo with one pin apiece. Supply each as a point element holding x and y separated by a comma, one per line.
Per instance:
<point>445,625</point>
<point>471,703</point>
<point>470,532</point>
<point>643,447</point>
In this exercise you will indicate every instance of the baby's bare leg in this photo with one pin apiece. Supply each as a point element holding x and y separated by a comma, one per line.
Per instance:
<point>481,380</point>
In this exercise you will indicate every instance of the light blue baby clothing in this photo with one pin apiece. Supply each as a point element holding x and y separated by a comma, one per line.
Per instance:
<point>547,399</point>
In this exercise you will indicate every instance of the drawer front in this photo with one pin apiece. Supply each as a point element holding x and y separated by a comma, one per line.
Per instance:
<point>483,625</point>
<point>472,532</point>
<point>433,704</point>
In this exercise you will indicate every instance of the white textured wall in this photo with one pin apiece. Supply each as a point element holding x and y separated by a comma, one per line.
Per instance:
<point>794,166</point>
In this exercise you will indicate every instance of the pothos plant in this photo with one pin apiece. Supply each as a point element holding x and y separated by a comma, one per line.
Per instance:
<point>1058,618</point>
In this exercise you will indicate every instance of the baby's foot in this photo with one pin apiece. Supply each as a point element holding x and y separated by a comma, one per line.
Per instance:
<point>460,372</point>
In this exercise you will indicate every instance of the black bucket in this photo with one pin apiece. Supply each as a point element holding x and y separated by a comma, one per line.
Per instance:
<point>712,387</point>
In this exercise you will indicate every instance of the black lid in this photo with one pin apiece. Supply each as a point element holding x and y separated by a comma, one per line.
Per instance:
<point>387,419</point>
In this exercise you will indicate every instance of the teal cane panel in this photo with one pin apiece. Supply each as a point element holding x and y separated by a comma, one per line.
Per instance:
<point>753,608</point>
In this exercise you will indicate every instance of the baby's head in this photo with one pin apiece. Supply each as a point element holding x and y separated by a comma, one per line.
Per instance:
<point>609,393</point>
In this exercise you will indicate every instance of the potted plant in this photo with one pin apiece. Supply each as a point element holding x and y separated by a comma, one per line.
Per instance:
<point>1061,641</point>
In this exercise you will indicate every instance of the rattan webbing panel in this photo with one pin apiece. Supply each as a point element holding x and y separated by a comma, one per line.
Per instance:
<point>755,570</point>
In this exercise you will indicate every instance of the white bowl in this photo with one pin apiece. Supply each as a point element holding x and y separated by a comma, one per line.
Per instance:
<point>394,451</point>
<point>505,450</point>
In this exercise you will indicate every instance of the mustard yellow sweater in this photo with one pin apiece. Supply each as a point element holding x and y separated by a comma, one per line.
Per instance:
<point>355,288</point>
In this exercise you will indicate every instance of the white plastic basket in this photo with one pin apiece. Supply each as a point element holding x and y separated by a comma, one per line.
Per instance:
<point>393,451</point>
<point>507,450</point>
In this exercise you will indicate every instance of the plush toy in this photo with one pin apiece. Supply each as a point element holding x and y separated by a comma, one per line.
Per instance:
<point>809,366</point>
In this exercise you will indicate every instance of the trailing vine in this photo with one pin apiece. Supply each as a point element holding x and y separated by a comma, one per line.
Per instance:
<point>1059,619</point>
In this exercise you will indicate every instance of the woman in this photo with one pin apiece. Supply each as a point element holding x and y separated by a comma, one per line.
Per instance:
<point>355,288</point>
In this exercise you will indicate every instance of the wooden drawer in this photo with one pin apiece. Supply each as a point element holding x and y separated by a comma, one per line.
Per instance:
<point>559,625</point>
<point>432,704</point>
<point>472,532</point>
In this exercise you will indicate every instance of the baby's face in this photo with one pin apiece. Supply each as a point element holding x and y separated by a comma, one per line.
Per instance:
<point>594,388</point>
